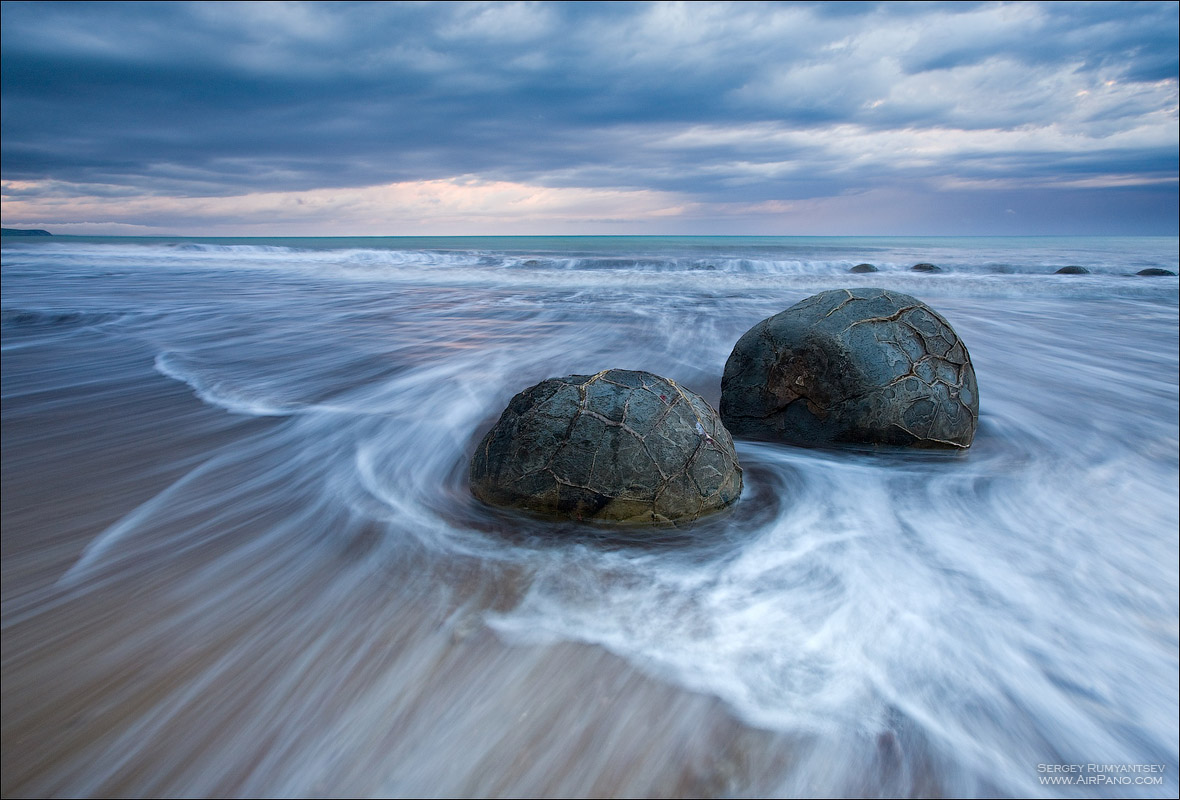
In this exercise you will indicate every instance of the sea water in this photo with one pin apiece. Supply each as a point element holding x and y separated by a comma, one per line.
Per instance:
<point>241,557</point>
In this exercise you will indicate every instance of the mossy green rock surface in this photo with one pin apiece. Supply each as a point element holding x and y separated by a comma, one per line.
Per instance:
<point>852,366</point>
<point>618,446</point>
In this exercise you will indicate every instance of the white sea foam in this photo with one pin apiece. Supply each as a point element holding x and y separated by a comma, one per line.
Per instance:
<point>968,616</point>
<point>221,392</point>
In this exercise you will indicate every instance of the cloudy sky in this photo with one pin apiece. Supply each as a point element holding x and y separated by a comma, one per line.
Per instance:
<point>534,118</point>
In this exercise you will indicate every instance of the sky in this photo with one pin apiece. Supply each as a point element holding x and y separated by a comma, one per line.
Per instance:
<point>320,119</point>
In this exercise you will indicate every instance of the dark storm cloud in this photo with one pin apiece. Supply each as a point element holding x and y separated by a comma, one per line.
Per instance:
<point>753,101</point>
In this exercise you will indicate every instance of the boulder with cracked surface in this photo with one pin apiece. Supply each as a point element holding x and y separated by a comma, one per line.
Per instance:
<point>863,366</point>
<point>618,446</point>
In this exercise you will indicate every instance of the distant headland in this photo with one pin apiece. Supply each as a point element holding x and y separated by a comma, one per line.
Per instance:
<point>23,232</point>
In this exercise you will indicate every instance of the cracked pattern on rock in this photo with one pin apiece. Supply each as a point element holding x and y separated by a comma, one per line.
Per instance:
<point>620,445</point>
<point>853,365</point>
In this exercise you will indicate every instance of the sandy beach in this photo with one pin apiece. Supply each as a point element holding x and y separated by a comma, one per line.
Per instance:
<point>484,719</point>
<point>240,556</point>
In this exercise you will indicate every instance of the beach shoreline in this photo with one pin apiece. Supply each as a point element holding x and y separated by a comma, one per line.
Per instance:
<point>241,556</point>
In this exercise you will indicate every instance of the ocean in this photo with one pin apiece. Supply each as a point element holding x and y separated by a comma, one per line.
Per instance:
<point>240,556</point>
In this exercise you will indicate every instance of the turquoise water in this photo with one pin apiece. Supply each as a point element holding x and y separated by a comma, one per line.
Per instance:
<point>798,255</point>
<point>1158,250</point>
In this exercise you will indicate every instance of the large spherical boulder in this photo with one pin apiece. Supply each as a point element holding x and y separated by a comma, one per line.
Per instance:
<point>852,365</point>
<point>617,446</point>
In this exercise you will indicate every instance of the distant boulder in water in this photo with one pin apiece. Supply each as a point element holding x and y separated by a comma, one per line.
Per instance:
<point>1155,272</point>
<point>924,267</point>
<point>864,268</point>
<point>617,446</point>
<point>852,366</point>
<point>1073,269</point>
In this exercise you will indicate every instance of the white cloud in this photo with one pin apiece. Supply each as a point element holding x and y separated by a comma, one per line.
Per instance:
<point>458,205</point>
<point>844,147</point>
<point>652,103</point>
<point>506,22</point>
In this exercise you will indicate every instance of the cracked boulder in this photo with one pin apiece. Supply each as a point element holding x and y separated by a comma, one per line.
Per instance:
<point>618,446</point>
<point>852,366</point>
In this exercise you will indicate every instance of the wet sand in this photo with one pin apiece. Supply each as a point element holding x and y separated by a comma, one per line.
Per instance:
<point>122,690</point>
<point>241,556</point>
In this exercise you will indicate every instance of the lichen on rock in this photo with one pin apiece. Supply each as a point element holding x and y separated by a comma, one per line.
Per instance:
<point>619,446</point>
